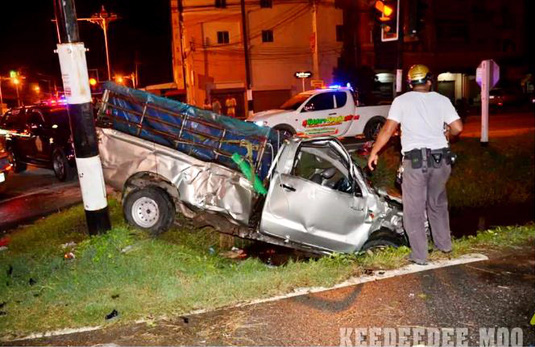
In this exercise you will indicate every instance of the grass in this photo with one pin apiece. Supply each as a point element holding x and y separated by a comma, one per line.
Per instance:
<point>502,173</point>
<point>144,277</point>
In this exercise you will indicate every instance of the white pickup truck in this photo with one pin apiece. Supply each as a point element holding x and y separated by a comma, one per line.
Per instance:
<point>320,112</point>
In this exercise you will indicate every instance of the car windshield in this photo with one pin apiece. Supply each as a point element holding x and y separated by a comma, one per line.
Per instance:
<point>295,101</point>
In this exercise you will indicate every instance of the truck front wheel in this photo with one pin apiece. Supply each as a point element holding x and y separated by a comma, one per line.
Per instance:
<point>373,127</point>
<point>149,209</point>
<point>285,129</point>
<point>382,239</point>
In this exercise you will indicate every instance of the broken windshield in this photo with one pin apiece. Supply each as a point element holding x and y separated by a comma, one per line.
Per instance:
<point>295,101</point>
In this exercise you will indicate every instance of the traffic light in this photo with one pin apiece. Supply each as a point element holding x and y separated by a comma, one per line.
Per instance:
<point>92,82</point>
<point>13,74</point>
<point>388,17</point>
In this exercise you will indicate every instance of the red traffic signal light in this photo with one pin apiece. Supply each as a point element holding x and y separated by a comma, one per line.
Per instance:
<point>389,19</point>
<point>385,10</point>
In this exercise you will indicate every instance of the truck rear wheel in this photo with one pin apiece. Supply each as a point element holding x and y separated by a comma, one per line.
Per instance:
<point>149,209</point>
<point>373,127</point>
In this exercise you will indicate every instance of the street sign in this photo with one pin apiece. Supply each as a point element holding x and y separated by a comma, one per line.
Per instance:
<point>317,83</point>
<point>494,75</point>
<point>303,74</point>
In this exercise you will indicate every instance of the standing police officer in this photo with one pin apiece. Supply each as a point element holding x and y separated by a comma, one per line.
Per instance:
<point>423,115</point>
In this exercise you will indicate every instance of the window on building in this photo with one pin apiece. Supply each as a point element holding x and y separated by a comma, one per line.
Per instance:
<point>339,33</point>
<point>221,3</point>
<point>267,35</point>
<point>223,37</point>
<point>266,3</point>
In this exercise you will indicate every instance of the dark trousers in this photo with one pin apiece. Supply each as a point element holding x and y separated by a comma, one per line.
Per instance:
<point>426,192</point>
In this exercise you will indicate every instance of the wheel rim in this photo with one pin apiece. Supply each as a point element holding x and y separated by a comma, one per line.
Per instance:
<point>59,166</point>
<point>145,212</point>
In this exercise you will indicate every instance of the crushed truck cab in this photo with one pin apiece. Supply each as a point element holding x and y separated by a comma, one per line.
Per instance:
<point>315,197</point>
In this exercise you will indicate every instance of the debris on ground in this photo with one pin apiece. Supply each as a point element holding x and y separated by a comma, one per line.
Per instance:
<point>115,296</point>
<point>112,315</point>
<point>4,241</point>
<point>69,255</point>
<point>235,253</point>
<point>32,281</point>
<point>68,245</point>
<point>127,249</point>
<point>3,248</point>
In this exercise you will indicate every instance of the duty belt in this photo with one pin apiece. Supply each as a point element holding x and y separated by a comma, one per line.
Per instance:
<point>423,158</point>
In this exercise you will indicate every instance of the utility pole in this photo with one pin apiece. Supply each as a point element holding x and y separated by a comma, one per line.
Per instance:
<point>75,76</point>
<point>103,19</point>
<point>250,104</point>
<point>182,48</point>
<point>315,59</point>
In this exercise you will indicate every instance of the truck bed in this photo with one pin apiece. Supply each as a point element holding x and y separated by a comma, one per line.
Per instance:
<point>202,134</point>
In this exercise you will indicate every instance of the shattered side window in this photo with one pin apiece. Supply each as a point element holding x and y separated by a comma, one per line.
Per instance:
<point>322,165</point>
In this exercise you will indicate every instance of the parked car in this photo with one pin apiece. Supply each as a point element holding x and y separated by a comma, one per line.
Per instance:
<point>40,135</point>
<point>304,193</point>
<point>5,167</point>
<point>331,111</point>
<point>499,97</point>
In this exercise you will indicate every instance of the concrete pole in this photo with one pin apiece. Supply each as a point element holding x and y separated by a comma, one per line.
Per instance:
<point>75,76</point>
<point>250,104</point>
<point>105,29</point>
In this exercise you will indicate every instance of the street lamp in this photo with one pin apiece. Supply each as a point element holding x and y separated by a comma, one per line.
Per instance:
<point>103,19</point>
<point>121,79</point>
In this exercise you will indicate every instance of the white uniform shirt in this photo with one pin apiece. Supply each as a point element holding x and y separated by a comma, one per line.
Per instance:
<point>422,117</point>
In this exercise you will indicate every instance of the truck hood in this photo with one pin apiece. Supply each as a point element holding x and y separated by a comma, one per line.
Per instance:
<point>266,114</point>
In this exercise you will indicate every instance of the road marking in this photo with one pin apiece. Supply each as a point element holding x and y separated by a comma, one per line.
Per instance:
<point>406,270</point>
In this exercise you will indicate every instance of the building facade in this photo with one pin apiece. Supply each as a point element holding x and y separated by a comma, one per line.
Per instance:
<point>281,37</point>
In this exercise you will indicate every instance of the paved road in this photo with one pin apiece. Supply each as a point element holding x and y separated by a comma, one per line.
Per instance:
<point>488,294</point>
<point>32,194</point>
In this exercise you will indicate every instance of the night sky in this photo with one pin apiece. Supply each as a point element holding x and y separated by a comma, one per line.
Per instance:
<point>28,38</point>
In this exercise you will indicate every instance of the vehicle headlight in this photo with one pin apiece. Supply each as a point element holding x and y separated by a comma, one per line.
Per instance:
<point>260,123</point>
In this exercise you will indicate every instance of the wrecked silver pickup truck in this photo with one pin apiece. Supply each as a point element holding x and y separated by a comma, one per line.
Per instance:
<point>169,157</point>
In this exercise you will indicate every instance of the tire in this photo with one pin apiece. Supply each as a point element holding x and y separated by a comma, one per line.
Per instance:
<point>382,239</point>
<point>372,128</point>
<point>285,129</point>
<point>62,169</point>
<point>150,209</point>
<point>16,163</point>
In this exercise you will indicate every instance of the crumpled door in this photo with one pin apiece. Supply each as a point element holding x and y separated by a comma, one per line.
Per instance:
<point>312,206</point>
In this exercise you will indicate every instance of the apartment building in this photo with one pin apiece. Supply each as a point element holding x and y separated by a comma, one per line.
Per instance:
<point>209,54</point>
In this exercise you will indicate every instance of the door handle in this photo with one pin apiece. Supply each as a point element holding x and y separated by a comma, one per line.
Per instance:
<point>288,187</point>
<point>332,114</point>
